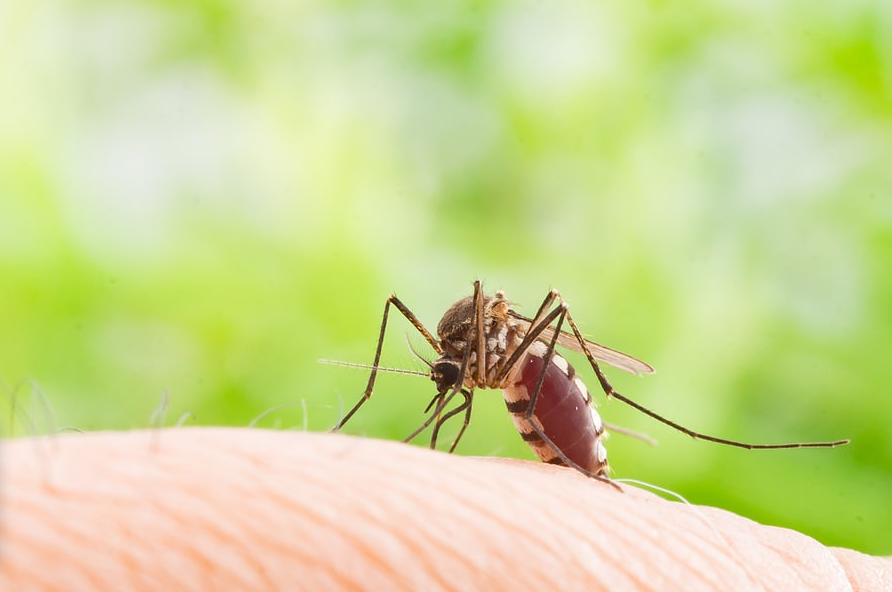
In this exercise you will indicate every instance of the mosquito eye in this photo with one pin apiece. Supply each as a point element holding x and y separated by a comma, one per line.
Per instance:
<point>445,374</point>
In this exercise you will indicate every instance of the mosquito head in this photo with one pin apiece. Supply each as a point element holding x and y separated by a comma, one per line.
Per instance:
<point>446,373</point>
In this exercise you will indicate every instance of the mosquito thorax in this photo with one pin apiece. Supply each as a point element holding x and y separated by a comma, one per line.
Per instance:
<point>457,329</point>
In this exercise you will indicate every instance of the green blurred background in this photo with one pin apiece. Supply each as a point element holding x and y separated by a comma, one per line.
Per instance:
<point>200,199</point>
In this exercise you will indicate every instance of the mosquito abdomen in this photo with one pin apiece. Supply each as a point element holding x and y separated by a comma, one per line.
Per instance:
<point>563,412</point>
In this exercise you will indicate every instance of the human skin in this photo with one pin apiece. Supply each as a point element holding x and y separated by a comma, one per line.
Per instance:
<point>249,509</point>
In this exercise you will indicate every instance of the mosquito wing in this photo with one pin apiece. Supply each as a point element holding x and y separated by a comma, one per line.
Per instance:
<point>599,352</point>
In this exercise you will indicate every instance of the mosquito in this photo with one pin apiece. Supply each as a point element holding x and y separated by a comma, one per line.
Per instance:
<point>482,342</point>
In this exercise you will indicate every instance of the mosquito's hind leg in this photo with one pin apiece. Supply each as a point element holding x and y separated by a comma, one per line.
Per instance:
<point>609,391</point>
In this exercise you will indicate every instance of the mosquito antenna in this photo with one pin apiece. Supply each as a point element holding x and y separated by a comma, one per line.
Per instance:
<point>416,354</point>
<point>370,367</point>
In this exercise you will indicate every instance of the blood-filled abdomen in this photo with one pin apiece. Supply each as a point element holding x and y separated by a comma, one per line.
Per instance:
<point>564,412</point>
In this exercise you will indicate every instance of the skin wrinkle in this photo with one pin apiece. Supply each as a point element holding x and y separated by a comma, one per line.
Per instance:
<point>616,574</point>
<point>539,518</point>
<point>362,512</point>
<point>292,543</point>
<point>701,518</point>
<point>208,542</point>
<point>698,554</point>
<point>636,568</point>
<point>607,518</point>
<point>301,504</point>
<point>810,561</point>
<point>295,546</point>
<point>211,540</point>
<point>79,535</point>
<point>485,521</point>
<point>436,566</point>
<point>355,503</point>
<point>633,538</point>
<point>481,518</point>
<point>202,525</point>
<point>477,517</point>
<point>36,573</point>
<point>261,506</point>
<point>381,527</point>
<point>810,564</point>
<point>721,549</point>
<point>552,513</point>
<point>386,548</point>
<point>865,572</point>
<point>289,505</point>
<point>805,569</point>
<point>714,540</point>
<point>314,517</point>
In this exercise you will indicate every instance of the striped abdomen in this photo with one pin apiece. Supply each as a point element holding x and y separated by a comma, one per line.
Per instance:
<point>563,411</point>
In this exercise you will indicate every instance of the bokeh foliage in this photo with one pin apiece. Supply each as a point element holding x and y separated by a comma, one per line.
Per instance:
<point>200,199</point>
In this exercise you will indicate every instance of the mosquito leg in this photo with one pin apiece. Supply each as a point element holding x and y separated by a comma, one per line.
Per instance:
<point>538,324</point>
<point>443,398</point>
<point>444,401</point>
<point>466,407</point>
<point>612,427</point>
<point>480,379</point>
<point>419,326</point>
<point>546,304</point>
<point>437,397</point>
<point>564,459</point>
<point>532,335</point>
<point>469,398</point>
<point>410,316</point>
<point>549,354</point>
<point>609,391</point>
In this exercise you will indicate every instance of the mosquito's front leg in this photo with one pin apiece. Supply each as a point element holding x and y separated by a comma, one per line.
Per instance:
<point>410,316</point>
<point>466,407</point>
<point>443,399</point>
